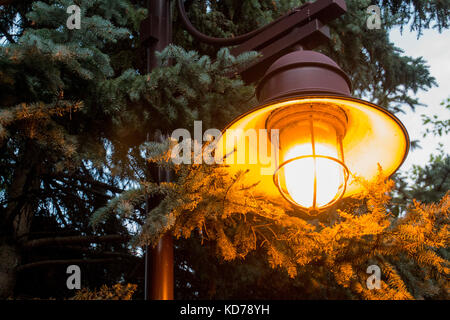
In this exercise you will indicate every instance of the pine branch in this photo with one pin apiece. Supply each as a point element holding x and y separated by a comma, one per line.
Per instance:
<point>64,262</point>
<point>5,2</point>
<point>97,253</point>
<point>7,35</point>
<point>93,182</point>
<point>61,241</point>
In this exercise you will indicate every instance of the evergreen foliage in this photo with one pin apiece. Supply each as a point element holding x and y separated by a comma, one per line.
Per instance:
<point>115,292</point>
<point>77,114</point>
<point>432,181</point>
<point>221,209</point>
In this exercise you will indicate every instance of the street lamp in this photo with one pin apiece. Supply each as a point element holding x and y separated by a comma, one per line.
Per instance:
<point>326,137</point>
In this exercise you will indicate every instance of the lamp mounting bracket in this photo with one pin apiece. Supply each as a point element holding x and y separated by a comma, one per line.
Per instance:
<point>304,26</point>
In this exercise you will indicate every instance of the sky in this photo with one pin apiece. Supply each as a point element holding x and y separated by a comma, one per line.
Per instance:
<point>434,47</point>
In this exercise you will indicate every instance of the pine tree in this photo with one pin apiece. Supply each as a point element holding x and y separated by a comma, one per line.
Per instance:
<point>76,114</point>
<point>69,97</point>
<point>50,138</point>
<point>221,209</point>
<point>432,181</point>
<point>182,219</point>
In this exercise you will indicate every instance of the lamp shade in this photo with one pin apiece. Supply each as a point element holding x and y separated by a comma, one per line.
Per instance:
<point>310,138</point>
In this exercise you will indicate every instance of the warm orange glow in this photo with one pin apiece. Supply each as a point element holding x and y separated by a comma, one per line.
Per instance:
<point>372,137</point>
<point>299,176</point>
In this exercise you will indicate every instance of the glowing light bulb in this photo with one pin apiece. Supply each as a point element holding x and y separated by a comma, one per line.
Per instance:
<point>300,173</point>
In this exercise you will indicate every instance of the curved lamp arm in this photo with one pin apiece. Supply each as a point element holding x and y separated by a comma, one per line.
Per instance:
<point>221,41</point>
<point>304,26</point>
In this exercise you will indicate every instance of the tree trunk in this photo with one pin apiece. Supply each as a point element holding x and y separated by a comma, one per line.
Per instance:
<point>9,260</point>
<point>10,255</point>
<point>16,221</point>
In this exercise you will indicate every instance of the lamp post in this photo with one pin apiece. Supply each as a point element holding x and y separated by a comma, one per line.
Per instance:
<point>156,34</point>
<point>326,137</point>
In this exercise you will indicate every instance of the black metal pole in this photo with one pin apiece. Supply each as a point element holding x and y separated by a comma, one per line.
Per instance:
<point>161,280</point>
<point>159,29</point>
<point>157,33</point>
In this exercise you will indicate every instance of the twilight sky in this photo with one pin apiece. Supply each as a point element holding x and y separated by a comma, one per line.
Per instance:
<point>435,48</point>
